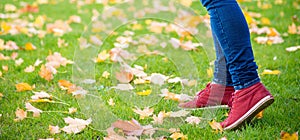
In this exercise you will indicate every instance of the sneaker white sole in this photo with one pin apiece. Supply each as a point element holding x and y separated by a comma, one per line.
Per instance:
<point>261,105</point>
<point>207,107</point>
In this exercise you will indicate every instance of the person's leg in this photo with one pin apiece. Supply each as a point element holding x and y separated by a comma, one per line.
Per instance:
<point>221,73</point>
<point>231,30</point>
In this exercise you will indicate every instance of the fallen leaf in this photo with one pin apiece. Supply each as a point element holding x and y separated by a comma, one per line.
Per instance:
<point>40,95</point>
<point>144,92</point>
<point>146,112</point>
<point>19,61</point>
<point>216,126</point>
<point>193,120</point>
<point>288,136</point>
<point>178,135</point>
<point>23,87</point>
<point>158,79</point>
<point>72,110</point>
<point>54,129</point>
<point>75,125</point>
<point>129,127</point>
<point>292,49</point>
<point>46,73</point>
<point>9,7</point>
<point>29,47</point>
<point>270,72</point>
<point>123,87</point>
<point>29,69</point>
<point>64,84</point>
<point>259,115</point>
<point>124,76</point>
<point>36,112</point>
<point>180,113</point>
<point>111,102</point>
<point>102,56</point>
<point>20,114</point>
<point>105,74</point>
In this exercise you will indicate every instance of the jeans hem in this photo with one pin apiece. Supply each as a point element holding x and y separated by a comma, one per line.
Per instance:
<point>245,85</point>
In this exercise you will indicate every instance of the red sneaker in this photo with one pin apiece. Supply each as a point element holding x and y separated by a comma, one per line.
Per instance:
<point>246,104</point>
<point>214,95</point>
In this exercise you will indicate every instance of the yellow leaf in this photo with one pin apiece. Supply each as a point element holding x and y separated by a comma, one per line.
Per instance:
<point>292,29</point>
<point>272,72</point>
<point>288,136</point>
<point>177,135</point>
<point>4,27</point>
<point>102,56</point>
<point>265,21</point>
<point>209,72</point>
<point>29,46</point>
<point>41,101</point>
<point>144,92</point>
<point>105,74</point>
<point>259,115</point>
<point>23,87</point>
<point>216,126</point>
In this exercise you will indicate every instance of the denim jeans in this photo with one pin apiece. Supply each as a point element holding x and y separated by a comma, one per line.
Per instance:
<point>235,61</point>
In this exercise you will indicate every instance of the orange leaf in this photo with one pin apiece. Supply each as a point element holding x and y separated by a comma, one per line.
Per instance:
<point>288,136</point>
<point>64,84</point>
<point>29,46</point>
<point>178,135</point>
<point>20,114</point>
<point>259,115</point>
<point>23,87</point>
<point>46,73</point>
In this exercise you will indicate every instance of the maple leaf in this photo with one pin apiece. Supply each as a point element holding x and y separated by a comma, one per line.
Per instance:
<point>259,115</point>
<point>30,9</point>
<point>23,87</point>
<point>19,61</point>
<point>146,112</point>
<point>20,114</point>
<point>29,69</point>
<point>29,46</point>
<point>193,120</point>
<point>160,117</point>
<point>158,79</point>
<point>36,112</point>
<point>72,110</point>
<point>40,95</point>
<point>74,19</point>
<point>64,84</point>
<point>75,125</point>
<point>129,127</point>
<point>46,73</point>
<point>288,136</point>
<point>178,135</point>
<point>54,129</point>
<point>102,56</point>
<point>216,126</point>
<point>124,76</point>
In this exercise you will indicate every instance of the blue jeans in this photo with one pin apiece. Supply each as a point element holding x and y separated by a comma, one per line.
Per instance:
<point>235,61</point>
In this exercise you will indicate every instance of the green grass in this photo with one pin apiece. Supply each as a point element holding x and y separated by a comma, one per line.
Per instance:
<point>282,115</point>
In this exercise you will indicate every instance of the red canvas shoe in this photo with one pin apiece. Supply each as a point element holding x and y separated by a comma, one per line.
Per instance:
<point>214,95</point>
<point>246,104</point>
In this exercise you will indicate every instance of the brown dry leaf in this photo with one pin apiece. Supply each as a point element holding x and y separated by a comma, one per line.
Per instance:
<point>288,136</point>
<point>112,135</point>
<point>259,115</point>
<point>146,112</point>
<point>54,129</point>
<point>29,46</point>
<point>159,119</point>
<point>124,76</point>
<point>23,87</point>
<point>178,135</point>
<point>20,114</point>
<point>46,73</point>
<point>216,126</point>
<point>75,125</point>
<point>129,127</point>
<point>36,112</point>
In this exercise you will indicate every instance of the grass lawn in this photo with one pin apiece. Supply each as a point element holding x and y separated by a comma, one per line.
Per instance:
<point>283,115</point>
